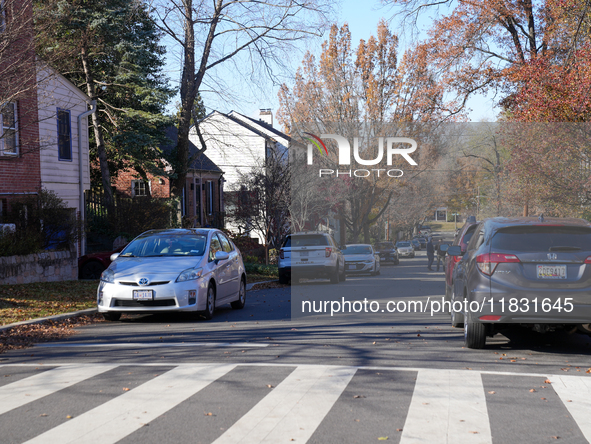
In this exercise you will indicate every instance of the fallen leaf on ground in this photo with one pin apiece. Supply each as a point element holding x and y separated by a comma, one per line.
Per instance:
<point>492,392</point>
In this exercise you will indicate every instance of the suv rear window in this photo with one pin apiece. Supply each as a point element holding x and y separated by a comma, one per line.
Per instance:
<point>306,240</point>
<point>468,235</point>
<point>542,238</point>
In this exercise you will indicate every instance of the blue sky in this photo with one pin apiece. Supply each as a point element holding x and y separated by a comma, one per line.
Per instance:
<point>362,22</point>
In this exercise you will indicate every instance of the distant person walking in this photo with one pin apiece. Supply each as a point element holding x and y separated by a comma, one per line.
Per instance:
<point>430,253</point>
<point>440,256</point>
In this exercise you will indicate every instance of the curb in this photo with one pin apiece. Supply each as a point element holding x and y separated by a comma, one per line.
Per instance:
<point>249,286</point>
<point>49,318</point>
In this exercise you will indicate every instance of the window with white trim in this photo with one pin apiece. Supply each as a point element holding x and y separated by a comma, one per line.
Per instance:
<point>64,134</point>
<point>8,129</point>
<point>140,188</point>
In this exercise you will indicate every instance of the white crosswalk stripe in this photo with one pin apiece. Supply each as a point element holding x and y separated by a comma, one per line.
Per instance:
<point>446,406</point>
<point>575,393</point>
<point>123,415</point>
<point>293,410</point>
<point>50,381</point>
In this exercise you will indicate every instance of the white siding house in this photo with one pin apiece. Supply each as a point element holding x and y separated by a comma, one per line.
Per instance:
<point>237,144</point>
<point>60,103</point>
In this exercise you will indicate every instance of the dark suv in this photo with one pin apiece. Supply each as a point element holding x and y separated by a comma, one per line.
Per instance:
<point>527,271</point>
<point>387,252</point>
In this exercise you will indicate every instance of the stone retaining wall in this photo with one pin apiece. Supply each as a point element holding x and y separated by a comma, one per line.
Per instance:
<point>39,267</point>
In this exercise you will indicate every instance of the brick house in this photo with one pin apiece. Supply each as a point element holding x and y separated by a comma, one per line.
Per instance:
<point>202,203</point>
<point>20,167</point>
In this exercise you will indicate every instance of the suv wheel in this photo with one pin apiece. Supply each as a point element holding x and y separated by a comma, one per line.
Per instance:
<point>283,279</point>
<point>343,276</point>
<point>474,334</point>
<point>457,319</point>
<point>334,277</point>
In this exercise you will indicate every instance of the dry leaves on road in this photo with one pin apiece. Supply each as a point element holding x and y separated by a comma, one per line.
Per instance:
<point>24,336</point>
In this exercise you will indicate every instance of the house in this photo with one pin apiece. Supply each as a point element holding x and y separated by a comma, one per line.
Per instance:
<point>238,144</point>
<point>43,128</point>
<point>20,166</point>
<point>63,112</point>
<point>202,202</point>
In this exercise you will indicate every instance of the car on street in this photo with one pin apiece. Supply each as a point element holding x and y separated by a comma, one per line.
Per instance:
<point>90,266</point>
<point>173,270</point>
<point>311,254</point>
<point>361,258</point>
<point>450,262</point>
<point>422,240</point>
<point>534,272</point>
<point>387,252</point>
<point>415,244</point>
<point>405,249</point>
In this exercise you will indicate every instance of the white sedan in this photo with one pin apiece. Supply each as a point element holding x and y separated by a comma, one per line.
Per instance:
<point>405,248</point>
<point>361,258</point>
<point>186,270</point>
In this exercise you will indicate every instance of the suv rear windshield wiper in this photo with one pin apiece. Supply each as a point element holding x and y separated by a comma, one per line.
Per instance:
<point>564,249</point>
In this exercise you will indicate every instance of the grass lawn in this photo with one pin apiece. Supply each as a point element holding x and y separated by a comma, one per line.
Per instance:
<point>443,226</point>
<point>29,301</point>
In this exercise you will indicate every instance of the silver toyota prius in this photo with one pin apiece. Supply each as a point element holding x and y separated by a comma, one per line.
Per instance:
<point>187,270</point>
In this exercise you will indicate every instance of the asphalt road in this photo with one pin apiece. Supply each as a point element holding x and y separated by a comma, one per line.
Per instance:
<point>259,375</point>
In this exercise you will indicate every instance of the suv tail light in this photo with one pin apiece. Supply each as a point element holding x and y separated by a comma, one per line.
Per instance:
<point>588,260</point>
<point>282,254</point>
<point>327,251</point>
<point>456,259</point>
<point>487,263</point>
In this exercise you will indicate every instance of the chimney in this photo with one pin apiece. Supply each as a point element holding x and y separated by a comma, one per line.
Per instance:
<point>266,116</point>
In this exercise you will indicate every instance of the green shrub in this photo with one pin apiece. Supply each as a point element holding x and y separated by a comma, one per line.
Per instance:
<point>264,270</point>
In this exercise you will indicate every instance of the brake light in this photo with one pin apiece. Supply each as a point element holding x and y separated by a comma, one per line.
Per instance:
<point>487,262</point>
<point>327,251</point>
<point>282,254</point>
<point>489,318</point>
<point>456,259</point>
<point>588,260</point>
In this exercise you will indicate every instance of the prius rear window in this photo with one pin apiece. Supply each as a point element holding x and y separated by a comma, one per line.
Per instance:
<point>542,238</point>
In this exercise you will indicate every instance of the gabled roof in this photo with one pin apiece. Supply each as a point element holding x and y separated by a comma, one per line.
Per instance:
<point>265,125</point>
<point>250,127</point>
<point>200,163</point>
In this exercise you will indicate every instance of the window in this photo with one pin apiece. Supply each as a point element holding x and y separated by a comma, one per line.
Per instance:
<point>140,188</point>
<point>210,197</point>
<point>226,246</point>
<point>8,130</point>
<point>214,247</point>
<point>64,135</point>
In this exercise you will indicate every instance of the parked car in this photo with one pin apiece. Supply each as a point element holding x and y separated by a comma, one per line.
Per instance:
<point>90,266</point>
<point>405,249</point>
<point>184,270</point>
<point>425,230</point>
<point>311,255</point>
<point>387,252</point>
<point>416,245</point>
<point>527,271</point>
<point>422,240</point>
<point>462,240</point>
<point>361,258</point>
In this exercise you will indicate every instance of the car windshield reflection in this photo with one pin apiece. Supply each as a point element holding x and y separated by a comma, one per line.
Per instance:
<point>166,245</point>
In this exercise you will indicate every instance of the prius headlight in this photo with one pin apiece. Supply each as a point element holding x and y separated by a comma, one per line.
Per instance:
<point>190,274</point>
<point>108,276</point>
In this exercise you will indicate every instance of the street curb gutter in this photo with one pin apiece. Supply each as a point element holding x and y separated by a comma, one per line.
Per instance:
<point>249,286</point>
<point>50,318</point>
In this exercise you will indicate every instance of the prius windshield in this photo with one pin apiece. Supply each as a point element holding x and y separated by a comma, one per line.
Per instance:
<point>166,245</point>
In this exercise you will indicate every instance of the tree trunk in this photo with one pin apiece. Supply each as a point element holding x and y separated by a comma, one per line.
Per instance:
<point>526,209</point>
<point>98,131</point>
<point>366,233</point>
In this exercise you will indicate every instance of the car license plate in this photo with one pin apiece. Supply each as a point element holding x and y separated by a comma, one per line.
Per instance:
<point>304,253</point>
<point>350,267</point>
<point>143,295</point>
<point>551,271</point>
